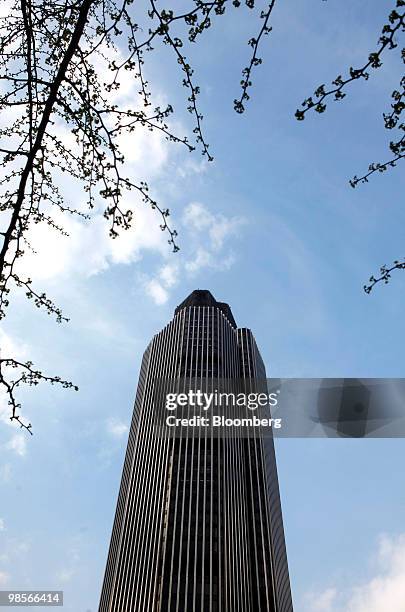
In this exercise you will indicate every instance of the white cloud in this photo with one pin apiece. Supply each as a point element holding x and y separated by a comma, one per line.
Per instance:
<point>12,347</point>
<point>2,525</point>
<point>216,227</point>
<point>205,237</point>
<point>156,291</point>
<point>210,233</point>
<point>145,152</point>
<point>18,444</point>
<point>321,602</point>
<point>88,250</point>
<point>158,287</point>
<point>169,274</point>
<point>191,166</point>
<point>206,259</point>
<point>4,578</point>
<point>385,590</point>
<point>222,229</point>
<point>116,428</point>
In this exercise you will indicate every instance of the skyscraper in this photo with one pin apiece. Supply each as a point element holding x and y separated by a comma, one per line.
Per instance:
<point>198,525</point>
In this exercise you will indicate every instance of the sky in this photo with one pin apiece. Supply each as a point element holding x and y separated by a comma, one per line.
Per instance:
<point>272,227</point>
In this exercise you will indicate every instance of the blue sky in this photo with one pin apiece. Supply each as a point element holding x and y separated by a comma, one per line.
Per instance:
<point>273,228</point>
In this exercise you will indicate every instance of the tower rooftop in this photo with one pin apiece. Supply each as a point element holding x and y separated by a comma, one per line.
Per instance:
<point>203,297</point>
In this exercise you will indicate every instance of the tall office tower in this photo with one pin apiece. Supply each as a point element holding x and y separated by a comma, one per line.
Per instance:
<point>198,525</point>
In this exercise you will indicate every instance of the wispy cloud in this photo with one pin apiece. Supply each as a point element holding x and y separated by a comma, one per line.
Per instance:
<point>88,250</point>
<point>116,428</point>
<point>191,166</point>
<point>206,236</point>
<point>156,291</point>
<point>385,590</point>
<point>214,227</point>
<point>321,602</point>
<point>158,287</point>
<point>169,275</point>
<point>17,444</point>
<point>12,347</point>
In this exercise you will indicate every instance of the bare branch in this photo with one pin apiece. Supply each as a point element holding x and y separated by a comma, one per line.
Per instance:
<point>387,41</point>
<point>385,275</point>
<point>24,373</point>
<point>246,82</point>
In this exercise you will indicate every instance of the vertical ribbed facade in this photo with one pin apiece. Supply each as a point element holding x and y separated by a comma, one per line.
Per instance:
<point>198,525</point>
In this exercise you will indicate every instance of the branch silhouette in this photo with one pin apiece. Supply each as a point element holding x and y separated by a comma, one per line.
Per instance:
<point>50,55</point>
<point>388,40</point>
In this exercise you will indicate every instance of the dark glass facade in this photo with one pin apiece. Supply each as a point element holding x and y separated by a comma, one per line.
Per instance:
<point>198,525</point>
